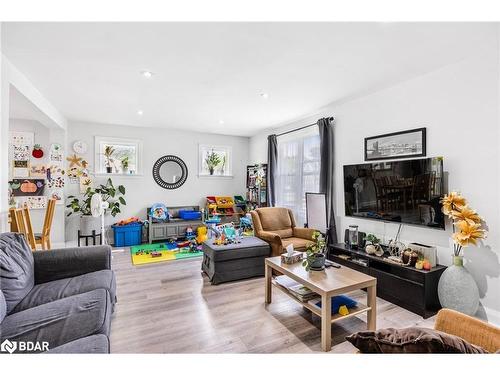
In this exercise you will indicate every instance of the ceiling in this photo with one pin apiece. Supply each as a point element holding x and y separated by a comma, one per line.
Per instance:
<point>210,76</point>
<point>21,107</point>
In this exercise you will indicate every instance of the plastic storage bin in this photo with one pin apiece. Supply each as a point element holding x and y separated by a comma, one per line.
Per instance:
<point>127,235</point>
<point>189,215</point>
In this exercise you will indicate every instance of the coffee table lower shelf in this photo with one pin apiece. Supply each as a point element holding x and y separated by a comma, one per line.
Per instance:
<point>359,309</point>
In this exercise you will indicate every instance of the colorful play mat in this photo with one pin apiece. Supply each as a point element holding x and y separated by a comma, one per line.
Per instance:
<point>144,254</point>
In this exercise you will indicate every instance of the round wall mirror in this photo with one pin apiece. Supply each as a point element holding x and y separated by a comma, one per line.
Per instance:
<point>170,172</point>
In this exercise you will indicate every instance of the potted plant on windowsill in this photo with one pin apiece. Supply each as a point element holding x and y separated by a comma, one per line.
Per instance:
<point>125,162</point>
<point>108,153</point>
<point>212,160</point>
<point>111,194</point>
<point>315,253</point>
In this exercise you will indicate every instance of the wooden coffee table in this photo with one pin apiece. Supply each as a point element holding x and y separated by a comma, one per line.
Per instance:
<point>327,283</point>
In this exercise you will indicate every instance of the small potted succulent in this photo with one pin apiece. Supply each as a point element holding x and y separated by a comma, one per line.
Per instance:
<point>373,244</point>
<point>315,253</point>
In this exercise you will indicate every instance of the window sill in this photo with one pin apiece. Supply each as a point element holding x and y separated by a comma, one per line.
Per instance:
<point>207,176</point>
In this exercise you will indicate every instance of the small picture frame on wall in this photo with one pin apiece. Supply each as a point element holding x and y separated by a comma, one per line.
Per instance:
<point>398,145</point>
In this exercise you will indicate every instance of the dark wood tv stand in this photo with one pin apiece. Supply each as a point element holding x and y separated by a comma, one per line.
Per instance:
<point>412,289</point>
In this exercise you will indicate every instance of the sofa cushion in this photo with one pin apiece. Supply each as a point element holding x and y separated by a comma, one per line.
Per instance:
<point>61,321</point>
<point>57,289</point>
<point>298,243</point>
<point>3,306</point>
<point>17,275</point>
<point>411,340</point>
<point>95,344</point>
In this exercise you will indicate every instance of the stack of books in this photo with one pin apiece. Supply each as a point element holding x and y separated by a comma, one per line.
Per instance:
<point>299,291</point>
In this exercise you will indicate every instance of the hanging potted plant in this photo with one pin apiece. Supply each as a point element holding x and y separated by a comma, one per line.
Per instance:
<point>213,160</point>
<point>457,289</point>
<point>315,253</point>
<point>111,194</point>
<point>108,153</point>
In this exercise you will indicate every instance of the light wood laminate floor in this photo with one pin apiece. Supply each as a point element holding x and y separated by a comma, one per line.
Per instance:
<point>171,307</point>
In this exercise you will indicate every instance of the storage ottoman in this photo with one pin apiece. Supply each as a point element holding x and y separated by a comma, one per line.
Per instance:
<point>235,261</point>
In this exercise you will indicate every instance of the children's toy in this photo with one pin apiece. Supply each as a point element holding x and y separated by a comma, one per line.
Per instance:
<point>343,310</point>
<point>128,221</point>
<point>246,225</point>
<point>190,233</point>
<point>202,235</point>
<point>155,254</point>
<point>159,212</point>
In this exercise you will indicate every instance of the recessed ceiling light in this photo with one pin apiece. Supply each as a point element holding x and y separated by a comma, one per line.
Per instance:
<point>264,95</point>
<point>140,112</point>
<point>221,122</point>
<point>147,74</point>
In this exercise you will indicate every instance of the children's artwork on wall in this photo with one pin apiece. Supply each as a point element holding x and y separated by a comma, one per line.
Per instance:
<point>85,182</point>
<point>38,170</point>
<point>55,170</point>
<point>28,187</point>
<point>55,182</point>
<point>74,161</point>
<point>21,138</point>
<point>20,168</point>
<point>36,202</point>
<point>214,160</point>
<point>56,153</point>
<point>37,152</point>
<point>21,153</point>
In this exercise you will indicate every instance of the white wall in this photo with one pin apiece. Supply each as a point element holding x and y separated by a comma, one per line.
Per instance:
<point>142,191</point>
<point>459,105</point>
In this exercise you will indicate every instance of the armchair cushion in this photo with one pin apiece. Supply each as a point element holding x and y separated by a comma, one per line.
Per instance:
<point>305,233</point>
<point>299,244</point>
<point>58,289</point>
<point>16,269</point>
<point>59,264</point>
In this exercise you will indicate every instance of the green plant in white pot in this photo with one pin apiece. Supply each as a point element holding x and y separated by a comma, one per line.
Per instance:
<point>81,205</point>
<point>315,253</point>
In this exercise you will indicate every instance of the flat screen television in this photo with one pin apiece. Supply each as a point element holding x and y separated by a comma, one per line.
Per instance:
<point>403,191</point>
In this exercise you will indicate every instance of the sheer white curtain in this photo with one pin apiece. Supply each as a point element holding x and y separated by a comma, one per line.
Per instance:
<point>298,170</point>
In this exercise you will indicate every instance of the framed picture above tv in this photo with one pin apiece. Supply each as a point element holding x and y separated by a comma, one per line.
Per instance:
<point>403,144</point>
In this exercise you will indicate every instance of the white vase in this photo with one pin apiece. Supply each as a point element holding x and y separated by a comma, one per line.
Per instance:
<point>457,289</point>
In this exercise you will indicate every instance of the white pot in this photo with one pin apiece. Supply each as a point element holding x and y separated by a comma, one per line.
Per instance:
<point>88,223</point>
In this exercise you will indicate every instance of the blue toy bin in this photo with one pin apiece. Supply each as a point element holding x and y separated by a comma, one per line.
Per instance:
<point>189,215</point>
<point>127,235</point>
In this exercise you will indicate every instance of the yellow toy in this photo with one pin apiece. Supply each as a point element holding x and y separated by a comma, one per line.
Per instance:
<point>343,310</point>
<point>201,235</point>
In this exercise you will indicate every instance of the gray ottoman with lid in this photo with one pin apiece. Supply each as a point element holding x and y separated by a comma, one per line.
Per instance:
<point>232,262</point>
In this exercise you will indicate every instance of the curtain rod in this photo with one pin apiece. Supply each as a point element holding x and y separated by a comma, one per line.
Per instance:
<point>302,127</point>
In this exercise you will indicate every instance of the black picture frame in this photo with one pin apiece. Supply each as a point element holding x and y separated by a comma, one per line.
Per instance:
<point>420,151</point>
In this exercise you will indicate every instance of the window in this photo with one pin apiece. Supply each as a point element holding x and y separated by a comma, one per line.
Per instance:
<point>214,161</point>
<point>118,155</point>
<point>298,169</point>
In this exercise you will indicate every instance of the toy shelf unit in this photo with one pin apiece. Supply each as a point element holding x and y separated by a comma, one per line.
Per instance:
<point>175,226</point>
<point>224,208</point>
<point>257,185</point>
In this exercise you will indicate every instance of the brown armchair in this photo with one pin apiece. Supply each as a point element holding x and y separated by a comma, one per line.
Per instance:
<point>276,226</point>
<point>470,329</point>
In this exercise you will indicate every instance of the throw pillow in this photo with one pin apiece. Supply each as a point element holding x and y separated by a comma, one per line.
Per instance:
<point>17,275</point>
<point>411,340</point>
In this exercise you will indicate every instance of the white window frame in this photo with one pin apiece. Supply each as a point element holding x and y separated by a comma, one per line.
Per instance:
<point>100,167</point>
<point>228,172</point>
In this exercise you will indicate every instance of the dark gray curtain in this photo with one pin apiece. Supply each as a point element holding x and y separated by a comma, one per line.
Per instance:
<point>272,159</point>
<point>326,173</point>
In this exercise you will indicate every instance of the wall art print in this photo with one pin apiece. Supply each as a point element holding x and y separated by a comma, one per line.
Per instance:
<point>27,187</point>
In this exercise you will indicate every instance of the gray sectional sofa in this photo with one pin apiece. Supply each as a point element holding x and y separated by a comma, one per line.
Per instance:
<point>63,298</point>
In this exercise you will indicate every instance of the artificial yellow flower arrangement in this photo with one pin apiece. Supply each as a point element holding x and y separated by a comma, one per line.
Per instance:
<point>467,224</point>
